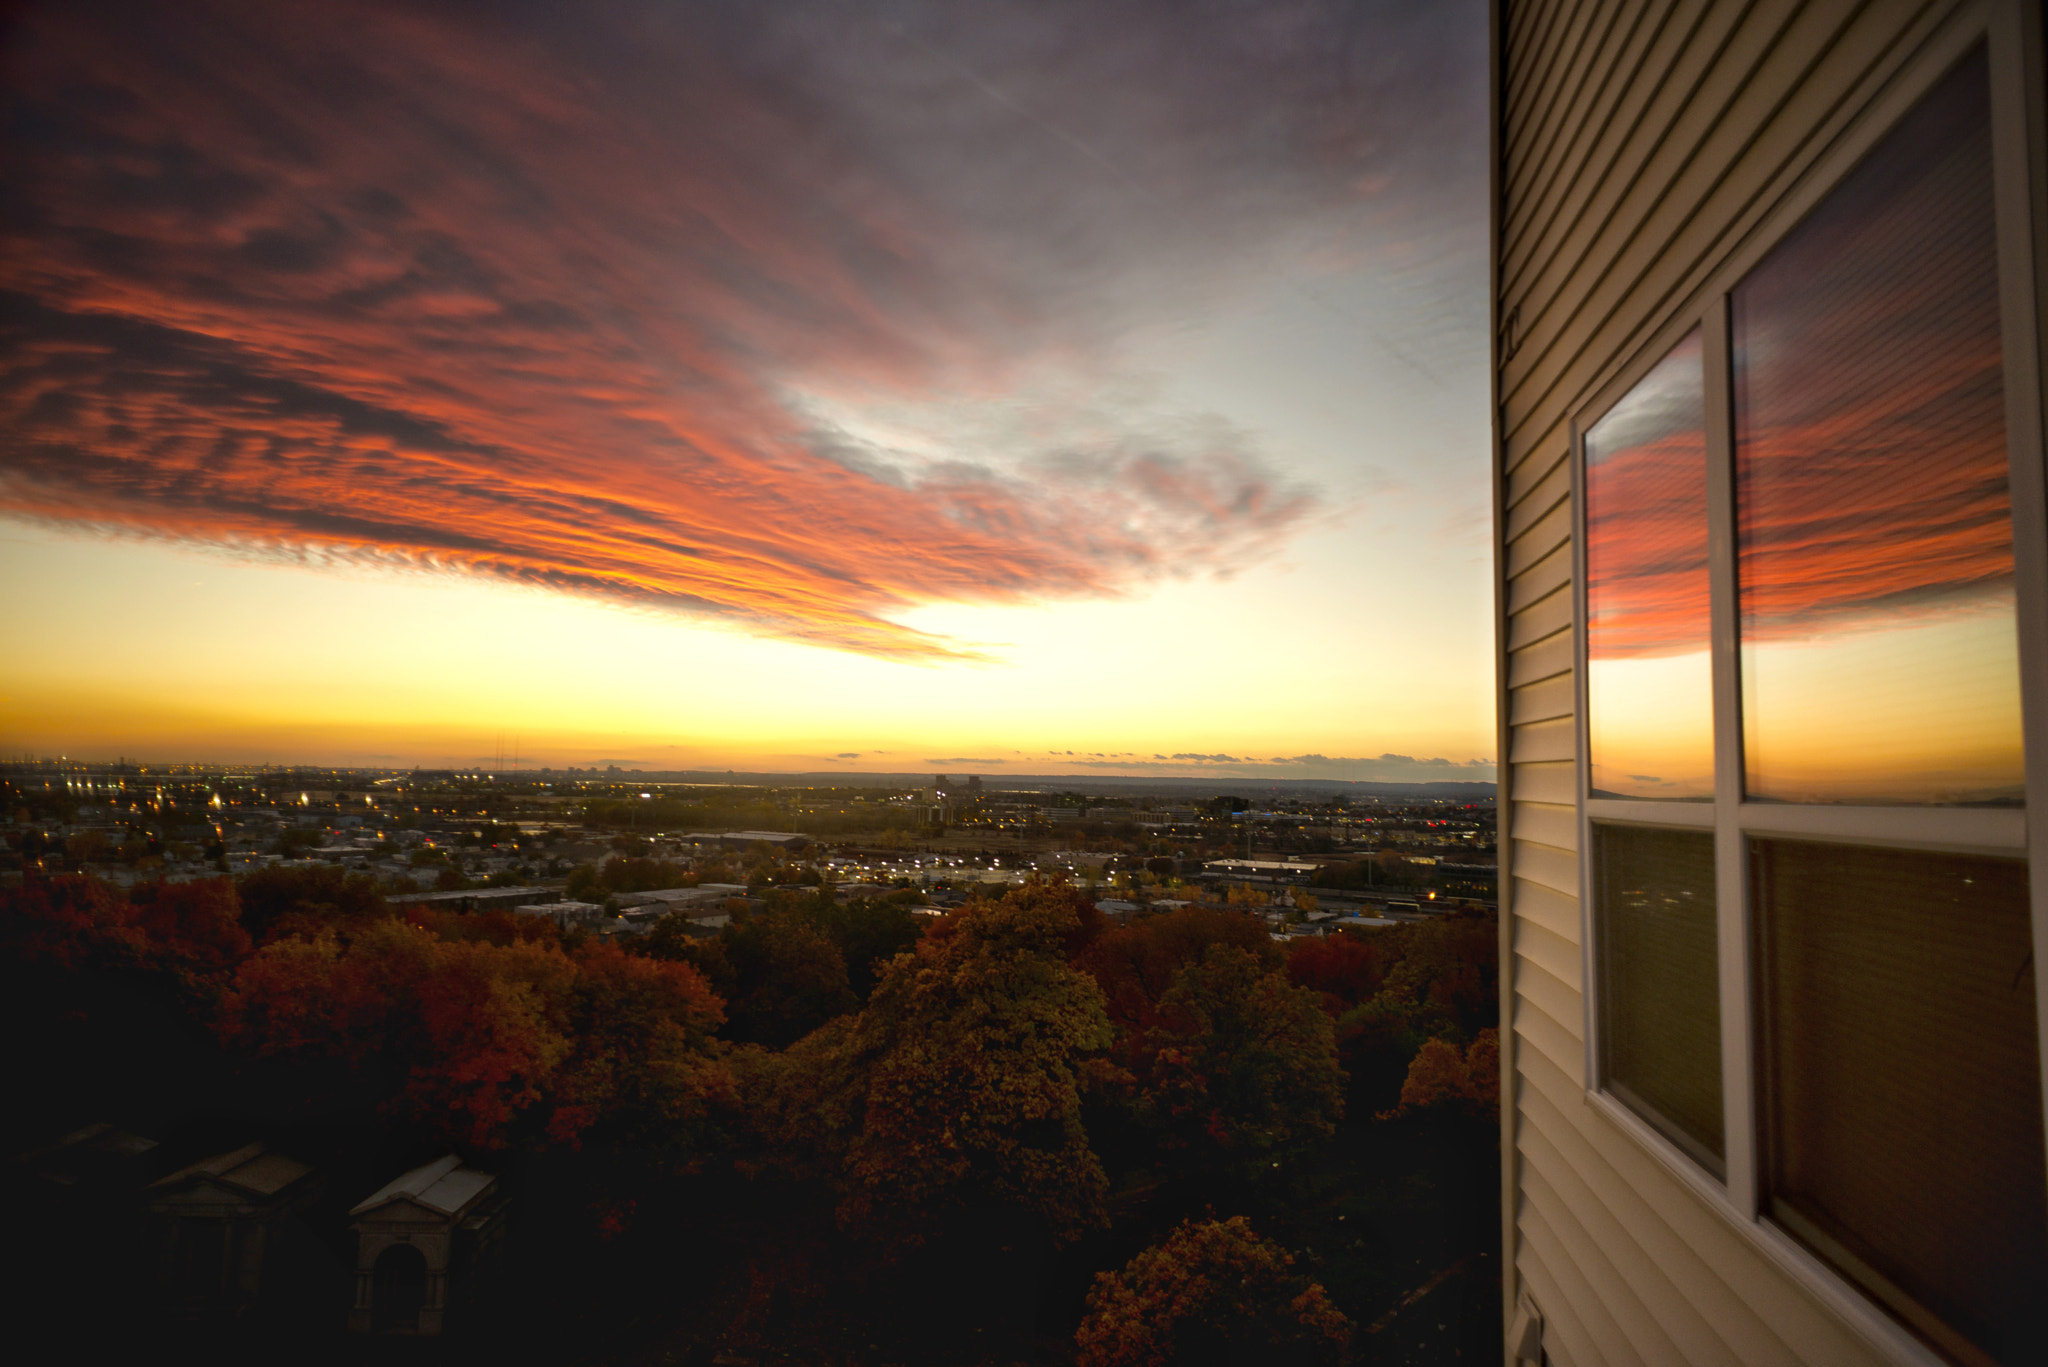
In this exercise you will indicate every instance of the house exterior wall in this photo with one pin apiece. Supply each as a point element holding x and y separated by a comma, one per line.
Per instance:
<point>1640,147</point>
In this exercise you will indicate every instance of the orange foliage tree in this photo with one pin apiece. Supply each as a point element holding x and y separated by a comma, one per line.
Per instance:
<point>961,1081</point>
<point>1213,1293</point>
<point>1240,1061</point>
<point>1443,1079</point>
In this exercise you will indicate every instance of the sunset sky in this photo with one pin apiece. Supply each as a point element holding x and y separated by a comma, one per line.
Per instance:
<point>1034,387</point>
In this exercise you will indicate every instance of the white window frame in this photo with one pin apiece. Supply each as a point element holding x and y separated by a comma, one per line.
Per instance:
<point>2012,36</point>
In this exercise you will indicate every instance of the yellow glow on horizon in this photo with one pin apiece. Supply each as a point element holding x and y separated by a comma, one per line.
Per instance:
<point>1652,726</point>
<point>182,654</point>
<point>1922,713</point>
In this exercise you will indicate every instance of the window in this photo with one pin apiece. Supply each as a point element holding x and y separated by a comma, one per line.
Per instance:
<point>1811,899</point>
<point>1660,1004</point>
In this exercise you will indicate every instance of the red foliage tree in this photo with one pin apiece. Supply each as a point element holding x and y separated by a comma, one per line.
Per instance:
<point>1240,1062</point>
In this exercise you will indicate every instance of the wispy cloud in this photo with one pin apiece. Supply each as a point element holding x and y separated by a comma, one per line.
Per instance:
<point>594,303</point>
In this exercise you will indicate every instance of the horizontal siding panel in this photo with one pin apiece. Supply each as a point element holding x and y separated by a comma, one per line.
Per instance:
<point>1533,459</point>
<point>1544,617</point>
<point>1555,696</point>
<point>1579,1326</point>
<point>1556,952</point>
<point>1541,659</point>
<point>1541,579</point>
<point>1558,1041</point>
<point>1583,273</point>
<point>1550,782</point>
<point>1545,985</point>
<point>1697,1308</point>
<point>1620,1294</point>
<point>1549,491</point>
<point>1637,122</point>
<point>1678,1227</point>
<point>1653,40</point>
<point>1545,535</point>
<point>1705,209</point>
<point>1542,64</point>
<point>1553,911</point>
<point>1541,740</point>
<point>1641,1296</point>
<point>1548,823</point>
<point>1548,866</point>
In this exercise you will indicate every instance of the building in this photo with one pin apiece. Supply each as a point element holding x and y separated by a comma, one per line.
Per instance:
<point>1276,870</point>
<point>476,899</point>
<point>566,914</point>
<point>227,1230</point>
<point>1772,559</point>
<point>780,840</point>
<point>417,1237</point>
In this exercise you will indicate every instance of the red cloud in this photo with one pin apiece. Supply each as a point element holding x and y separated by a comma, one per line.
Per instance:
<point>1871,472</point>
<point>380,285</point>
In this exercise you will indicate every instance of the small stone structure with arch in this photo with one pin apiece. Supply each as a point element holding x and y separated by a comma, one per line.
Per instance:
<point>418,1234</point>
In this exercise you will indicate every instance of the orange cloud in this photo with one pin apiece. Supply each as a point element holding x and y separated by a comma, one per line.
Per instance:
<point>366,282</point>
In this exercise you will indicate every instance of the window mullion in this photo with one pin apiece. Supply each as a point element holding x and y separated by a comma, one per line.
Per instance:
<point>1730,878</point>
<point>2019,133</point>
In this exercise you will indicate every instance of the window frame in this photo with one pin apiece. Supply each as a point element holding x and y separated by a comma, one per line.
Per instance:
<point>2011,33</point>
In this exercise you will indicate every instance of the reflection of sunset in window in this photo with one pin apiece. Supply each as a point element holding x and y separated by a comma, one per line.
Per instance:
<point>1879,659</point>
<point>1649,687</point>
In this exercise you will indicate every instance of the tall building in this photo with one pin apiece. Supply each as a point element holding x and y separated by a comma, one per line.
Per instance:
<point>1772,547</point>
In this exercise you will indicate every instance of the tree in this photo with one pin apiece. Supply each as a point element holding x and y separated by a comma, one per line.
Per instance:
<point>1240,1063</point>
<point>277,902</point>
<point>788,978</point>
<point>961,1081</point>
<point>1344,968</point>
<point>1443,1080</point>
<point>1213,1293</point>
<point>869,933</point>
<point>1135,964</point>
<point>487,1041</point>
<point>642,1064</point>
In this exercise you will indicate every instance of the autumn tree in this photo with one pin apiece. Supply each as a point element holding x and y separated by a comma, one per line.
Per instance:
<point>1239,1063</point>
<point>1345,969</point>
<point>961,1081</point>
<point>1212,1293</point>
<point>788,978</point>
<point>642,1064</point>
<point>279,901</point>
<point>481,1042</point>
<point>1444,1080</point>
<point>1135,964</point>
<point>869,933</point>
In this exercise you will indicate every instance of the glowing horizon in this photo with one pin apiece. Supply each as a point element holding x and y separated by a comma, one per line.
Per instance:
<point>750,386</point>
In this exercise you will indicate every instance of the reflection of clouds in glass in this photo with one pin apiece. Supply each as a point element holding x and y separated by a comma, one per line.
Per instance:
<point>1650,694</point>
<point>1869,401</point>
<point>1878,659</point>
<point>1646,514</point>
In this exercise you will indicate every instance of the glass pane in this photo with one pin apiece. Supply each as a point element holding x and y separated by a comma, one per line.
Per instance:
<point>1901,1083</point>
<point>1660,993</point>
<point>1879,651</point>
<point>1649,683</point>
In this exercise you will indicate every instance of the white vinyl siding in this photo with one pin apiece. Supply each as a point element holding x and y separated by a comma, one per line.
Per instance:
<point>1641,148</point>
